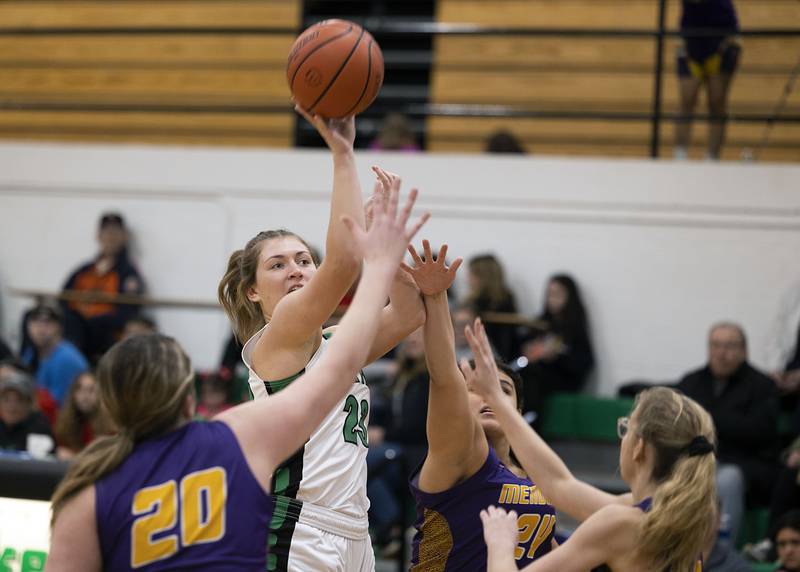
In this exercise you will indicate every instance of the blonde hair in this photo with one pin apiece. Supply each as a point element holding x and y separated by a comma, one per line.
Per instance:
<point>492,287</point>
<point>144,381</point>
<point>682,516</point>
<point>245,315</point>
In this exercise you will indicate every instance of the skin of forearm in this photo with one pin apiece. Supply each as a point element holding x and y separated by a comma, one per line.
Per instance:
<point>346,201</point>
<point>439,338</point>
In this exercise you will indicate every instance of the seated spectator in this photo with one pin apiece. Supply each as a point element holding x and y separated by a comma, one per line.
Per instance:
<point>139,325</point>
<point>82,417</point>
<point>786,494</point>
<point>560,355</point>
<point>5,351</point>
<point>488,292</point>
<point>395,134</point>
<point>95,326</point>
<point>397,440</point>
<point>22,428</point>
<point>44,401</point>
<point>788,383</point>
<point>721,556</point>
<point>213,396</point>
<point>787,542</point>
<point>503,141</point>
<point>55,361</point>
<point>744,405</point>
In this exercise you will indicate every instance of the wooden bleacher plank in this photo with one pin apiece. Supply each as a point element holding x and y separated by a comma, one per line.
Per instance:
<point>149,13</point>
<point>269,130</point>
<point>626,14</point>
<point>632,91</point>
<point>476,128</point>
<point>729,152</point>
<point>599,54</point>
<point>149,86</point>
<point>150,51</point>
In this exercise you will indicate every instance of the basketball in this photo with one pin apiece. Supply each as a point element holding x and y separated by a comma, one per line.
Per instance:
<point>335,69</point>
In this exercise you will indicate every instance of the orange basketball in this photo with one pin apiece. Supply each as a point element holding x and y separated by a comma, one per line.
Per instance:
<point>335,69</point>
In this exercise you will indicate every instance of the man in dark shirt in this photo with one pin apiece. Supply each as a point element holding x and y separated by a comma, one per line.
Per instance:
<point>21,427</point>
<point>744,405</point>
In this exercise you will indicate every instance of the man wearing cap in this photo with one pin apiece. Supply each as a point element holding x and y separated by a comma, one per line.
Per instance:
<point>21,427</point>
<point>57,362</point>
<point>95,326</point>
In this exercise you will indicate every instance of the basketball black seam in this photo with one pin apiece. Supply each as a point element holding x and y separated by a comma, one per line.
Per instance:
<point>366,83</point>
<point>308,55</point>
<point>338,72</point>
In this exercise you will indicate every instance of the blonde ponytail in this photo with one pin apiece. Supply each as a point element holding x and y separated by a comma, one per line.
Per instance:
<point>681,519</point>
<point>144,382</point>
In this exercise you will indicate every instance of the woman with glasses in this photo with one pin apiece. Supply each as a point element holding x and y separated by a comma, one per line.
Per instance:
<point>666,459</point>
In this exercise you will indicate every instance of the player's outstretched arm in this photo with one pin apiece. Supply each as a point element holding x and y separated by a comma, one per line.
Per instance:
<point>607,534</point>
<point>74,544</point>
<point>405,311</point>
<point>456,446</point>
<point>270,430</point>
<point>568,494</point>
<point>299,316</point>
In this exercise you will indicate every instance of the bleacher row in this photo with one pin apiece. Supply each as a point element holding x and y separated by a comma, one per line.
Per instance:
<point>77,70</point>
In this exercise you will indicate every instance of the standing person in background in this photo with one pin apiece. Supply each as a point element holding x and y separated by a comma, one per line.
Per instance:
<point>81,419</point>
<point>488,292</point>
<point>709,61</point>
<point>95,326</point>
<point>55,361</point>
<point>560,358</point>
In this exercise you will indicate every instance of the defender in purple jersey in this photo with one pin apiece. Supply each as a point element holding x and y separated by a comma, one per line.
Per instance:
<point>665,457</point>
<point>168,493</point>
<point>469,464</point>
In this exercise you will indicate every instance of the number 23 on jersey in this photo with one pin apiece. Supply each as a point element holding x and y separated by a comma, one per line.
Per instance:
<point>193,508</point>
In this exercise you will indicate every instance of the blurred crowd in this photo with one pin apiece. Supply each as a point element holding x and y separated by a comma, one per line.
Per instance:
<point>50,403</point>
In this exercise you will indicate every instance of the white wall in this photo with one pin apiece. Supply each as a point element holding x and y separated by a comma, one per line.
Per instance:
<point>661,249</point>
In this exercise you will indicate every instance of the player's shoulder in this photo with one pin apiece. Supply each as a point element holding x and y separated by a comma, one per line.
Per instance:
<point>617,524</point>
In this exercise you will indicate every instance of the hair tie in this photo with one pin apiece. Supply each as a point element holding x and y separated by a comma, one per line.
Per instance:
<point>699,446</point>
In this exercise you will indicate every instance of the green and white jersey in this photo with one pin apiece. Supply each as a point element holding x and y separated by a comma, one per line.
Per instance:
<point>330,471</point>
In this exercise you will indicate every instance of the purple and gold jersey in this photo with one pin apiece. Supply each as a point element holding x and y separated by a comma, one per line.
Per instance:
<point>713,14</point>
<point>186,500</point>
<point>449,530</point>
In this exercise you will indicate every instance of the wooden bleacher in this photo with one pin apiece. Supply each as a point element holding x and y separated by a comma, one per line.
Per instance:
<point>599,74</point>
<point>75,84</point>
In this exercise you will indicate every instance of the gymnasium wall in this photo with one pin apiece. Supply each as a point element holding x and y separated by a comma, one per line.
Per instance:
<point>661,250</point>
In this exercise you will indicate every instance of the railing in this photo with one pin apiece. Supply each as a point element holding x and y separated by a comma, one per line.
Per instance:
<point>385,27</point>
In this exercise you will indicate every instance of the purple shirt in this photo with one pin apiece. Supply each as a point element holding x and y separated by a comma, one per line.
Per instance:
<point>186,500</point>
<point>449,530</point>
<point>698,14</point>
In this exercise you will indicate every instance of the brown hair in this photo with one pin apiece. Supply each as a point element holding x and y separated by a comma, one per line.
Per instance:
<point>70,420</point>
<point>144,381</point>
<point>240,276</point>
<point>681,519</point>
<point>492,290</point>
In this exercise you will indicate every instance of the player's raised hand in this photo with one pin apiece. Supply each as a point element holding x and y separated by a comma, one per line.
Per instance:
<point>432,275</point>
<point>386,182</point>
<point>482,379</point>
<point>500,530</point>
<point>390,231</point>
<point>339,134</point>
